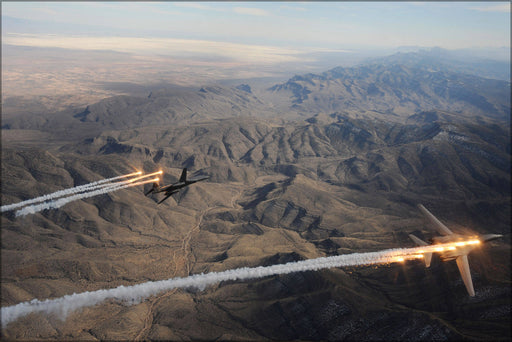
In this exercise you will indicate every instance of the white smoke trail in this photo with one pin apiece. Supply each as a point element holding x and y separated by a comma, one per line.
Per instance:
<point>65,192</point>
<point>32,209</point>
<point>136,293</point>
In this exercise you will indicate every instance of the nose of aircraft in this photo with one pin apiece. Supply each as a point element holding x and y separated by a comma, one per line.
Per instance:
<point>489,237</point>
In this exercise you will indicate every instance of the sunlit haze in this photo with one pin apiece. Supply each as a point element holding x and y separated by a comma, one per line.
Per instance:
<point>288,25</point>
<point>233,170</point>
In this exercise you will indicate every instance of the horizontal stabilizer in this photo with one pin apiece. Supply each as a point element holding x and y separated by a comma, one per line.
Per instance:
<point>155,188</point>
<point>428,259</point>
<point>426,256</point>
<point>418,241</point>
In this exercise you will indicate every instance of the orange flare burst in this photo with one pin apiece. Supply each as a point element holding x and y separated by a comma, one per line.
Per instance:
<point>143,182</point>
<point>142,177</point>
<point>131,174</point>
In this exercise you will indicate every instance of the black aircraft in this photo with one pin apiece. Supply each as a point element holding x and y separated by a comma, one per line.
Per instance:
<point>174,187</point>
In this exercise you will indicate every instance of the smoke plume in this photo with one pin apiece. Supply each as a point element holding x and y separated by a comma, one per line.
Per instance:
<point>32,209</point>
<point>135,294</point>
<point>66,192</point>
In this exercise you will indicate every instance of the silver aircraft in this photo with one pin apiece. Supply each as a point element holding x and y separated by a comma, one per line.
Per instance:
<point>174,187</point>
<point>462,245</point>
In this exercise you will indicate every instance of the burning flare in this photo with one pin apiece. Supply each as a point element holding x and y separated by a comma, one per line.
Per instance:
<point>57,199</point>
<point>137,293</point>
<point>62,201</point>
<point>71,191</point>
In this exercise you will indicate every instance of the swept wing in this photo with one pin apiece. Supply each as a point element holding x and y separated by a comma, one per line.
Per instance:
<point>440,227</point>
<point>462,259</point>
<point>167,195</point>
<point>463,265</point>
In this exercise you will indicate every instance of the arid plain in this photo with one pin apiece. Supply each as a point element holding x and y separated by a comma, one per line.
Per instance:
<point>327,162</point>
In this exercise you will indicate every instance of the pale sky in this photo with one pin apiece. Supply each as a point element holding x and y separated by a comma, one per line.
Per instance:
<point>273,25</point>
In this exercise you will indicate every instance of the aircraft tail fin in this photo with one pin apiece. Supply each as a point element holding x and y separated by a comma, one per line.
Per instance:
<point>426,256</point>
<point>155,188</point>
<point>183,177</point>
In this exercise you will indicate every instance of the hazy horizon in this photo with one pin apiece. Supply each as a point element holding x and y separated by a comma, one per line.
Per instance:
<point>193,43</point>
<point>303,26</point>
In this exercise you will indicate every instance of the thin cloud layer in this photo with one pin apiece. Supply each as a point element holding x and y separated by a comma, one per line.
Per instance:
<point>345,24</point>
<point>164,46</point>
<point>251,11</point>
<point>503,8</point>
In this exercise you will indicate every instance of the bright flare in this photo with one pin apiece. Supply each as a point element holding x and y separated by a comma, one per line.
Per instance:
<point>65,200</point>
<point>137,293</point>
<point>66,192</point>
<point>142,177</point>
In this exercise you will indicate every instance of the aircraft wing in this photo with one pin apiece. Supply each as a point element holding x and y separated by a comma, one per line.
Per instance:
<point>167,195</point>
<point>440,227</point>
<point>164,188</point>
<point>463,265</point>
<point>198,179</point>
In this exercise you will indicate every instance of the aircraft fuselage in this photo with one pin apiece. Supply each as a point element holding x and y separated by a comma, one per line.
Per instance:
<point>462,245</point>
<point>457,249</point>
<point>179,185</point>
<point>175,187</point>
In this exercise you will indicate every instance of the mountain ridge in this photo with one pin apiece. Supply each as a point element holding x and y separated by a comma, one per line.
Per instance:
<point>288,181</point>
<point>397,90</point>
<point>446,60</point>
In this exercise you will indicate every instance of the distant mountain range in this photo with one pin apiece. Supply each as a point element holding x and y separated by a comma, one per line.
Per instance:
<point>162,107</point>
<point>322,164</point>
<point>387,90</point>
<point>397,90</point>
<point>470,62</point>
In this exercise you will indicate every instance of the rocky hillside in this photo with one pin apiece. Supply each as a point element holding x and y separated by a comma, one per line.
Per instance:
<point>162,107</point>
<point>465,62</point>
<point>394,91</point>
<point>429,157</point>
<point>329,185</point>
<point>335,165</point>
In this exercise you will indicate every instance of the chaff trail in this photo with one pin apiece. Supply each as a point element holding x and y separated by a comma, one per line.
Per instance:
<point>65,192</point>
<point>134,294</point>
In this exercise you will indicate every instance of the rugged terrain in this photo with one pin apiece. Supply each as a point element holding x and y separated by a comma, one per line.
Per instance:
<point>396,90</point>
<point>295,173</point>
